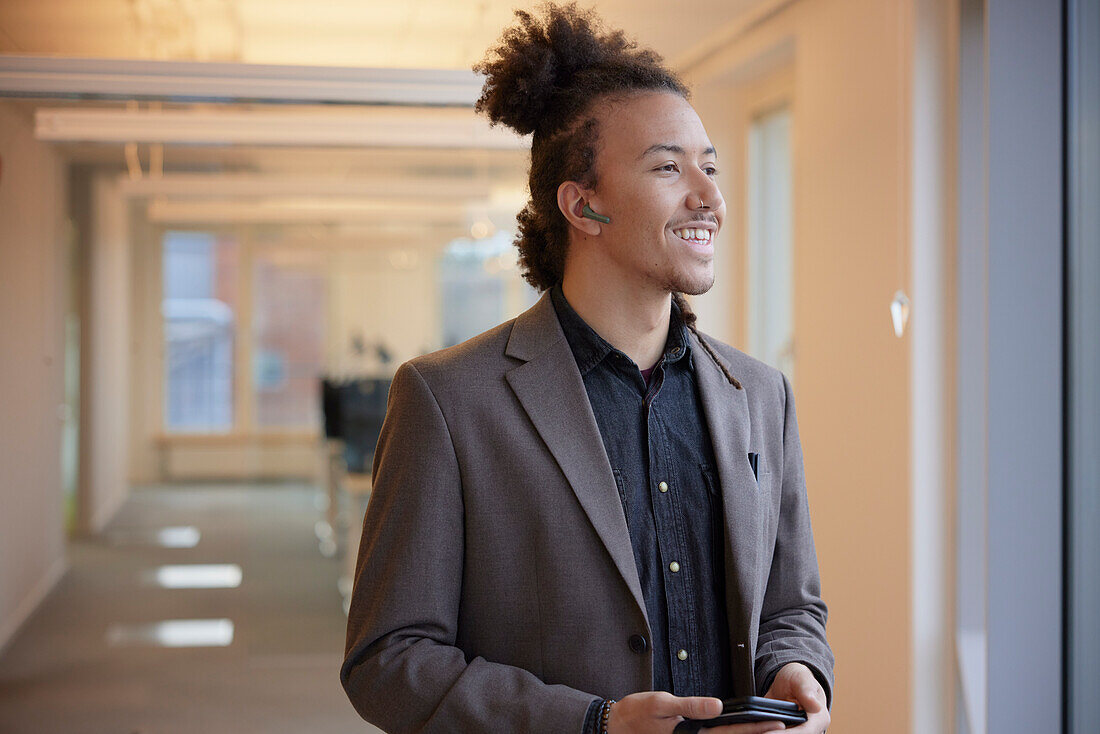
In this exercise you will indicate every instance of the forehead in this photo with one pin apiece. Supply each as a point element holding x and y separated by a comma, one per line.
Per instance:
<point>631,126</point>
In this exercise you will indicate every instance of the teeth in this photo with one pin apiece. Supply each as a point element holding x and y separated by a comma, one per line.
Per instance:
<point>690,233</point>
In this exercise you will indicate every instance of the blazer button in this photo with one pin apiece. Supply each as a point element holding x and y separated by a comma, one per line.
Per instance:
<point>637,644</point>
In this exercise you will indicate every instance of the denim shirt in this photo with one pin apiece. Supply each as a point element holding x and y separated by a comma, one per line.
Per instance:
<point>661,456</point>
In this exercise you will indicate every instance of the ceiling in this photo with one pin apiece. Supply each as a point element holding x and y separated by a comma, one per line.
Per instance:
<point>340,182</point>
<point>435,34</point>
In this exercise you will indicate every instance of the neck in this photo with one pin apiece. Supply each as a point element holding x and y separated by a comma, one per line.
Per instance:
<point>633,320</point>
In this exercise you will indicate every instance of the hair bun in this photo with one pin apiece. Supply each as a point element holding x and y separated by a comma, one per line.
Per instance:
<point>534,74</point>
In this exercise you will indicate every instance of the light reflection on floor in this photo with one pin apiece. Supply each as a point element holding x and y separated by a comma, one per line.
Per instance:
<point>197,576</point>
<point>174,633</point>
<point>179,536</point>
<point>326,538</point>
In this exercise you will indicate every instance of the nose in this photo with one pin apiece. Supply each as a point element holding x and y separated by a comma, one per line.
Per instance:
<point>705,195</point>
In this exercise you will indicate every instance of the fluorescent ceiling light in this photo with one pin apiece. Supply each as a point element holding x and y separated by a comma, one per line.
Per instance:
<point>407,215</point>
<point>234,82</point>
<point>374,128</point>
<point>229,185</point>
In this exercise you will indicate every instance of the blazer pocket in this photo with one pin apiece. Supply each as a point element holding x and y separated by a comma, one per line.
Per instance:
<point>717,519</point>
<point>759,467</point>
<point>620,485</point>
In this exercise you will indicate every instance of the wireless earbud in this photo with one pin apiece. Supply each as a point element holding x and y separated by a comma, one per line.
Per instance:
<point>586,211</point>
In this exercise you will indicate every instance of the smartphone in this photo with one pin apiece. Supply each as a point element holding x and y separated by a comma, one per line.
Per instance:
<point>747,709</point>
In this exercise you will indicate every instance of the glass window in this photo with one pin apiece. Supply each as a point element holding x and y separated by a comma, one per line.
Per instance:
<point>770,302</point>
<point>298,306</point>
<point>199,315</point>
<point>1082,583</point>
<point>473,278</point>
<point>288,329</point>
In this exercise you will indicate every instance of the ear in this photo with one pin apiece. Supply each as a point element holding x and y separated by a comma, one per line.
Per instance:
<point>571,199</point>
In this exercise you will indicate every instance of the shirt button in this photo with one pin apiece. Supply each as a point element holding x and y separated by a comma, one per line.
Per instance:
<point>683,654</point>
<point>674,567</point>
<point>663,486</point>
<point>636,643</point>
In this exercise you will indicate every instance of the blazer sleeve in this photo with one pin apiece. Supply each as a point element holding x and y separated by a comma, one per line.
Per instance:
<point>402,669</point>
<point>792,618</point>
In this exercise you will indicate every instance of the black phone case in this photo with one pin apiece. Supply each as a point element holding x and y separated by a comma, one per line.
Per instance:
<point>747,710</point>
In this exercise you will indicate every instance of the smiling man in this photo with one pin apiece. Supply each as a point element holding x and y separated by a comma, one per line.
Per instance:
<point>592,518</point>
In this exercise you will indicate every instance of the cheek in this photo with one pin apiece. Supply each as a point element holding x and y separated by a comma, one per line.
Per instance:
<point>644,198</point>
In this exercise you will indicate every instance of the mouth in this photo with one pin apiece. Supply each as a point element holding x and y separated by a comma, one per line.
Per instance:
<point>694,235</point>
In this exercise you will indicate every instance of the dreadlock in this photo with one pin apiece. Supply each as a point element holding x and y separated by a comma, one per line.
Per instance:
<point>689,318</point>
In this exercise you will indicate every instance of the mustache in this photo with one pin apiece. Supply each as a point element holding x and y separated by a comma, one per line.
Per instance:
<point>708,218</point>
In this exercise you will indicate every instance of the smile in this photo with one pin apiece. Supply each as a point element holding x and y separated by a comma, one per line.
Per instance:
<point>691,234</point>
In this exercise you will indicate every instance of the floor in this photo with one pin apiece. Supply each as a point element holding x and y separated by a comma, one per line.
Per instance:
<point>87,660</point>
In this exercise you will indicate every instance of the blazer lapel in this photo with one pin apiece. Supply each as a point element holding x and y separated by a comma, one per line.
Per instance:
<point>549,386</point>
<point>727,415</point>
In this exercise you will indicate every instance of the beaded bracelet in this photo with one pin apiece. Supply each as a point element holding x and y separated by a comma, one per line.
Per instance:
<point>605,714</point>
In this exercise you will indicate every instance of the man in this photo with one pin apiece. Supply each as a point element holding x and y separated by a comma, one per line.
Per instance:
<point>591,518</point>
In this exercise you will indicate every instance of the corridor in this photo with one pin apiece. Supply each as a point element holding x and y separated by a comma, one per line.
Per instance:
<point>266,659</point>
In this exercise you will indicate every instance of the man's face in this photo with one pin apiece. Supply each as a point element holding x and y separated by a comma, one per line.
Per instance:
<point>655,179</point>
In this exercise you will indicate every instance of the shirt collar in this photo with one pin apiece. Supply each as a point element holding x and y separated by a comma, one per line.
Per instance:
<point>589,348</point>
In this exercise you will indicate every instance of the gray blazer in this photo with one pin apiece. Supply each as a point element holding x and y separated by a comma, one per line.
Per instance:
<point>496,588</point>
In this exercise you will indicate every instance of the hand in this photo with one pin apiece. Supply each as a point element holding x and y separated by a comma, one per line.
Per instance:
<point>658,712</point>
<point>795,682</point>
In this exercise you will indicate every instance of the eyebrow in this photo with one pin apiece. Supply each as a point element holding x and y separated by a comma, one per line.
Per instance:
<point>672,148</point>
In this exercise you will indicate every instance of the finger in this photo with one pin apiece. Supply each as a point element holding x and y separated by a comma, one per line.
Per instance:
<point>815,724</point>
<point>694,707</point>
<point>807,691</point>
<point>813,699</point>
<point>756,727</point>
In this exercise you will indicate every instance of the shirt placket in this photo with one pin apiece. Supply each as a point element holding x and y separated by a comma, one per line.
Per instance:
<point>663,492</point>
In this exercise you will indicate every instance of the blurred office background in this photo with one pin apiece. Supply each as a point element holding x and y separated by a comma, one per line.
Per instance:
<point>208,207</point>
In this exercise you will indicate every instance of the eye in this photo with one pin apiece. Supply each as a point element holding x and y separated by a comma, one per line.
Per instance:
<point>710,170</point>
<point>668,167</point>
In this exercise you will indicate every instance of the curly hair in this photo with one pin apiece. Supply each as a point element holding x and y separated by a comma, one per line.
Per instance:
<point>544,78</point>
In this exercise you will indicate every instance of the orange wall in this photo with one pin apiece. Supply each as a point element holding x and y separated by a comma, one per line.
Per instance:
<point>846,64</point>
